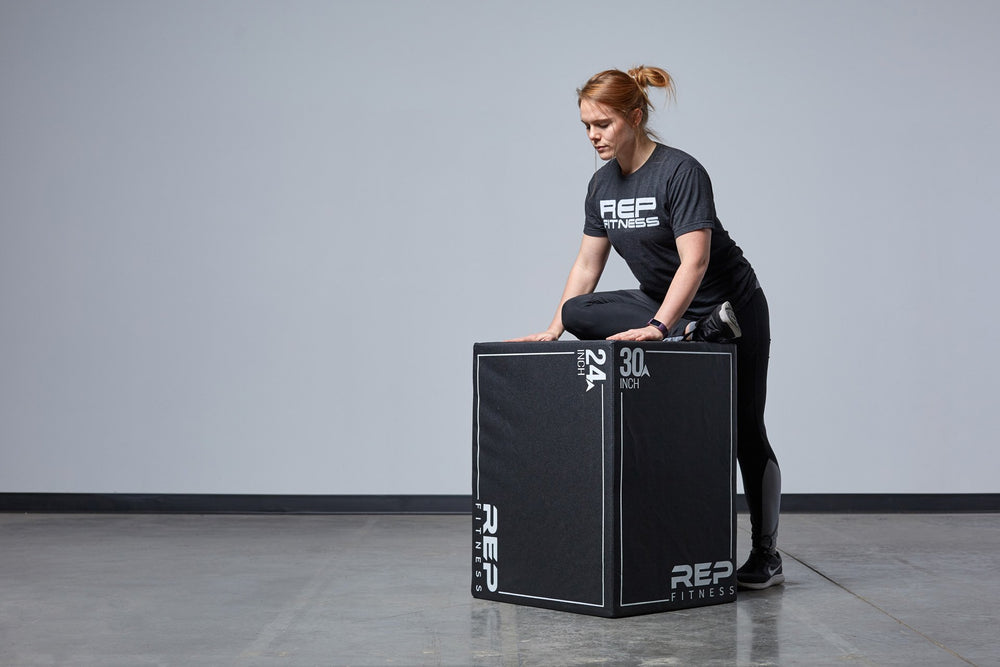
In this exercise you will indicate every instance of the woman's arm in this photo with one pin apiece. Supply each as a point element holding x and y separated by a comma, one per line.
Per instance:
<point>694,249</point>
<point>583,278</point>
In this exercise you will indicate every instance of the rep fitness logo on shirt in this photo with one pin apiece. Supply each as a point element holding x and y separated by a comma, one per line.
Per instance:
<point>628,213</point>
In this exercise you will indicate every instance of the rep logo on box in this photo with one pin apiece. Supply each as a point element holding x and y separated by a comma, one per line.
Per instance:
<point>701,580</point>
<point>486,548</point>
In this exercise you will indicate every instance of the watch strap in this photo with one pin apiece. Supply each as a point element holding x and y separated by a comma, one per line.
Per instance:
<point>658,324</point>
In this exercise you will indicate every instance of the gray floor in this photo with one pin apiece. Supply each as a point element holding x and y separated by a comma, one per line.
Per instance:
<point>393,590</point>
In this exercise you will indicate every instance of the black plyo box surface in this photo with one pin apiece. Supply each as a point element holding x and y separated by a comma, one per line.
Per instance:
<point>603,475</point>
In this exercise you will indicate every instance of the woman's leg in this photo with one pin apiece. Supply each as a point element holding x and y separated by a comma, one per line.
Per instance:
<point>601,314</point>
<point>758,464</point>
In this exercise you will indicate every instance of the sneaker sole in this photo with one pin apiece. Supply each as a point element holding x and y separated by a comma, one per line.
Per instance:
<point>728,316</point>
<point>756,586</point>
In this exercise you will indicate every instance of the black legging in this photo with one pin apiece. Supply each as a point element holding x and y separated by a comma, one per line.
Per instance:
<point>599,315</point>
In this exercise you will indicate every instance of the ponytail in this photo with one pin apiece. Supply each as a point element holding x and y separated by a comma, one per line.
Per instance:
<point>654,77</point>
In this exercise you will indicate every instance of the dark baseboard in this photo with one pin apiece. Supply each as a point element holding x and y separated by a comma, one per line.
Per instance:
<point>172,503</point>
<point>887,503</point>
<point>180,503</point>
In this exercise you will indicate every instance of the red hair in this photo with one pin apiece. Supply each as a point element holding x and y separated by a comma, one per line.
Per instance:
<point>626,91</point>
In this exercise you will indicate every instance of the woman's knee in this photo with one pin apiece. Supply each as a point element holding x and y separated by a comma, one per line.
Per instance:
<point>575,317</point>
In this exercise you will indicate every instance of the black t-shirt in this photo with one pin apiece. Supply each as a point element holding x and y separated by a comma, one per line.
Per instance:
<point>642,214</point>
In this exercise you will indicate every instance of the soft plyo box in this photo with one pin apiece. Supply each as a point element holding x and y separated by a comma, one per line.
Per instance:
<point>603,475</point>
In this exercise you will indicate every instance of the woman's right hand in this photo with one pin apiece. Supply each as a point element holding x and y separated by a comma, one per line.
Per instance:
<point>537,337</point>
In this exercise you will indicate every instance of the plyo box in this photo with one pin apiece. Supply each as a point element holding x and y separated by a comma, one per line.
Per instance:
<point>603,475</point>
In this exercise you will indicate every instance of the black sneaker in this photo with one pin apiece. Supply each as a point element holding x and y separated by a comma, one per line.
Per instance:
<point>718,326</point>
<point>762,570</point>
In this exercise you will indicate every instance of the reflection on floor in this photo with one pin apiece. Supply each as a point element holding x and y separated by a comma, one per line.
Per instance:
<point>189,590</point>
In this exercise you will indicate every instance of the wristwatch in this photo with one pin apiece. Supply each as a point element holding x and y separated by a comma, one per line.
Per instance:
<point>659,325</point>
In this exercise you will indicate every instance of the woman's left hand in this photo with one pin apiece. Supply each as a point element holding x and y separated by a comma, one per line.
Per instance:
<point>645,333</point>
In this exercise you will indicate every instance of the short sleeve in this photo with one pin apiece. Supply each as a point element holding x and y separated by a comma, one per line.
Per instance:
<point>690,200</point>
<point>593,224</point>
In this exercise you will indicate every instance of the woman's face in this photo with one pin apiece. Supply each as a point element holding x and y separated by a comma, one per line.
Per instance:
<point>607,129</point>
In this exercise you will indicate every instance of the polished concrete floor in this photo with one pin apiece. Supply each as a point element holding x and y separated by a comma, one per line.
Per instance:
<point>133,590</point>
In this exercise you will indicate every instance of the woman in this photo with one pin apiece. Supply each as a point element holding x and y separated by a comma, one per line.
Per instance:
<point>654,205</point>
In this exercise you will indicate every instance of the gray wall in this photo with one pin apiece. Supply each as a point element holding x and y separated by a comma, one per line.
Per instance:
<point>246,247</point>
